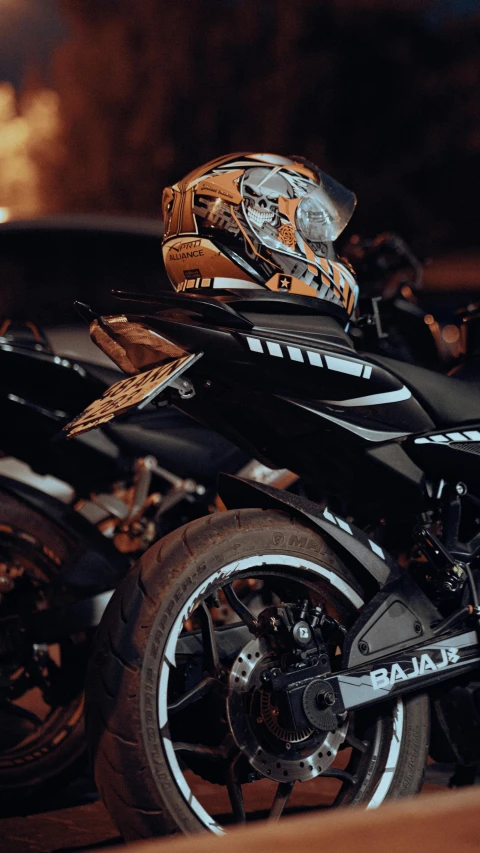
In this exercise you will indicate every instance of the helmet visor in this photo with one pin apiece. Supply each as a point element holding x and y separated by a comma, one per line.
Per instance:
<point>324,212</point>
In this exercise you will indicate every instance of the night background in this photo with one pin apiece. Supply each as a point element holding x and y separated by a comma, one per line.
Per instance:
<point>104,103</point>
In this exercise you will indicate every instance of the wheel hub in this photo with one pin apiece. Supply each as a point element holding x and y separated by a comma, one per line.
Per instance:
<point>270,716</point>
<point>271,749</point>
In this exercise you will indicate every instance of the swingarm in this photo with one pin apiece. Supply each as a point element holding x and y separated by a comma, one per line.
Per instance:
<point>323,700</point>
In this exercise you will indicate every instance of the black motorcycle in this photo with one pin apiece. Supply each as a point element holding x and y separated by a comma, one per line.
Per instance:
<point>72,519</point>
<point>350,665</point>
<point>132,481</point>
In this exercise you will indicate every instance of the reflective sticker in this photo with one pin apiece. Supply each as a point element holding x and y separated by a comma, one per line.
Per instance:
<point>255,344</point>
<point>381,399</point>
<point>468,435</point>
<point>376,549</point>
<point>343,524</point>
<point>354,368</point>
<point>328,515</point>
<point>274,349</point>
<point>295,353</point>
<point>315,359</point>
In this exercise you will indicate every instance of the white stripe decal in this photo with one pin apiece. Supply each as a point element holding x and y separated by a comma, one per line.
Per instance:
<point>469,435</point>
<point>328,515</point>
<point>354,368</point>
<point>295,353</point>
<point>255,344</point>
<point>343,524</point>
<point>274,349</point>
<point>392,760</point>
<point>373,399</point>
<point>376,549</point>
<point>340,365</point>
<point>368,434</point>
<point>315,359</point>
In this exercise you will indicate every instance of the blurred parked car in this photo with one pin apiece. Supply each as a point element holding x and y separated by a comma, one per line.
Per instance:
<point>48,262</point>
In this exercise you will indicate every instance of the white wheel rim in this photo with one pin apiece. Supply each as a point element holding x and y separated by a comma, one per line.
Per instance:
<point>241,567</point>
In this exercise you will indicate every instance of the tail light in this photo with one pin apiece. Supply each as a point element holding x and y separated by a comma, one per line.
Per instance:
<point>132,346</point>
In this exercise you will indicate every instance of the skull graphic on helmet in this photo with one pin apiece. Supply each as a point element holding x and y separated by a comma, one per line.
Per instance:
<point>261,188</point>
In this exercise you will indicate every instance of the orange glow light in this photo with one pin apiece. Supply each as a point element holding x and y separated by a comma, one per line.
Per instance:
<point>450,334</point>
<point>28,134</point>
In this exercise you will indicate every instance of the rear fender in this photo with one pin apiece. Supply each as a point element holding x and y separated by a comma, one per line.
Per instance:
<point>99,566</point>
<point>397,615</point>
<point>369,557</point>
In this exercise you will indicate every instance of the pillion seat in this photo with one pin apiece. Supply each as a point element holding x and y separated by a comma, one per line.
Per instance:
<point>449,401</point>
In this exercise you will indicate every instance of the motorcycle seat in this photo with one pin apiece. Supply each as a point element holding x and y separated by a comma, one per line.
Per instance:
<point>449,401</point>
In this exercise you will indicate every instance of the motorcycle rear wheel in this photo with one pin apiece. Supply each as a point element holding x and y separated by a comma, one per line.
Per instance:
<point>153,766</point>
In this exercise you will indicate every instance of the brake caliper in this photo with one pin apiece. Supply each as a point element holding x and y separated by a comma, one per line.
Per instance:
<point>283,715</point>
<point>304,639</point>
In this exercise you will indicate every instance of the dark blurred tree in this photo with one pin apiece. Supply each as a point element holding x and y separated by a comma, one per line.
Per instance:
<point>150,89</point>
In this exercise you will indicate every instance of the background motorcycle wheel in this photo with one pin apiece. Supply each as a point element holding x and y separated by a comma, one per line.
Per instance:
<point>151,782</point>
<point>42,738</point>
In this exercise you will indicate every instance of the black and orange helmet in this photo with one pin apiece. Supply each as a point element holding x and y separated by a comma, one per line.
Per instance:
<point>248,221</point>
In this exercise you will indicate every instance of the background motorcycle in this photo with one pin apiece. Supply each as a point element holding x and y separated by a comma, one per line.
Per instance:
<point>71,521</point>
<point>332,680</point>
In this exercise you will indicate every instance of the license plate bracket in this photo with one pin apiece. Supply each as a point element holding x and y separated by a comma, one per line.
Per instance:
<point>130,393</point>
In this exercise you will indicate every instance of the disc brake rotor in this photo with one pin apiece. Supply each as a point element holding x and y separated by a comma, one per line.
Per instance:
<point>302,754</point>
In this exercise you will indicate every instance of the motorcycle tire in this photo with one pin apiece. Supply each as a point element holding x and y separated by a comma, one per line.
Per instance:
<point>42,734</point>
<point>152,781</point>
